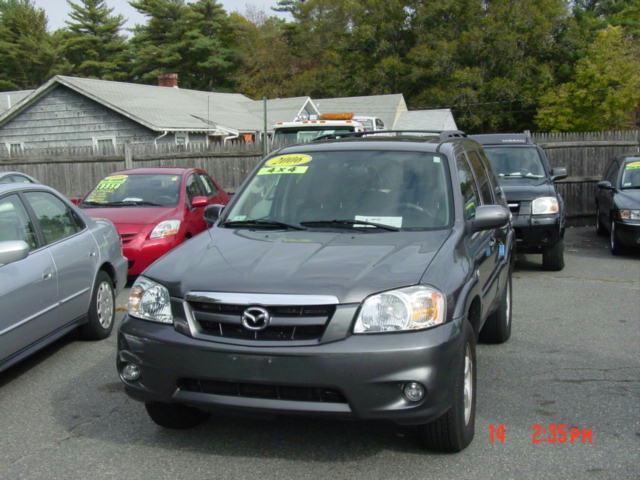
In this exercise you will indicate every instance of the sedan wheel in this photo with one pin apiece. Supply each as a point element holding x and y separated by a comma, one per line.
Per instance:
<point>104,304</point>
<point>102,309</point>
<point>614,243</point>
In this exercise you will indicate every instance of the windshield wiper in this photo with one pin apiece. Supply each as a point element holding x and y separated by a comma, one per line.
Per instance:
<point>350,224</point>
<point>261,223</point>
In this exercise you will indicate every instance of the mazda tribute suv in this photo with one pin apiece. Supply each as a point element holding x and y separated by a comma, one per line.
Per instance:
<point>349,277</point>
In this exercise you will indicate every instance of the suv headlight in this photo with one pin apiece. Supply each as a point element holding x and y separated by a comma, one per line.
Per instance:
<point>165,229</point>
<point>410,308</point>
<point>149,300</point>
<point>545,206</point>
<point>629,214</point>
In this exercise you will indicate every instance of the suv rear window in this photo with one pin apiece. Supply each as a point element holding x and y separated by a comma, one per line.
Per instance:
<point>406,190</point>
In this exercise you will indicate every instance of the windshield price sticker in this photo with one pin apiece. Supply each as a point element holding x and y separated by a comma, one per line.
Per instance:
<point>289,160</point>
<point>283,170</point>
<point>632,166</point>
<point>111,184</point>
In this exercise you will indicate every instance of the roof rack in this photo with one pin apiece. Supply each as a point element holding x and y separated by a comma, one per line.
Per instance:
<point>443,135</point>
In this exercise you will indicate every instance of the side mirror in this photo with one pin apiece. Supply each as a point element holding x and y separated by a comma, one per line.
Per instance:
<point>605,185</point>
<point>13,251</point>
<point>489,217</point>
<point>197,202</point>
<point>212,213</point>
<point>558,173</point>
<point>76,200</point>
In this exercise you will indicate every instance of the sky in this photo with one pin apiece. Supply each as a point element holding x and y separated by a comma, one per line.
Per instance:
<point>57,10</point>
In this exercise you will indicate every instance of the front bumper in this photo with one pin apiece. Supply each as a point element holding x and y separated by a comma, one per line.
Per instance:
<point>142,252</point>
<point>628,233</point>
<point>367,370</point>
<point>534,233</point>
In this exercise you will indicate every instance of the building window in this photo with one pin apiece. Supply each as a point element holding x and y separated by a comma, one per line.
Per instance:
<point>15,148</point>
<point>104,146</point>
<point>182,138</point>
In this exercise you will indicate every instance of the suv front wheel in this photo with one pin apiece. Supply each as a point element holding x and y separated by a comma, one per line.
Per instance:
<point>553,256</point>
<point>454,430</point>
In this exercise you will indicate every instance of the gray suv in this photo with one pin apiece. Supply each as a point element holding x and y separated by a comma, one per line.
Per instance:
<point>348,277</point>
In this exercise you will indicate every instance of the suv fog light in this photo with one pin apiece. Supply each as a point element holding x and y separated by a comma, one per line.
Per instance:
<point>130,372</point>
<point>413,391</point>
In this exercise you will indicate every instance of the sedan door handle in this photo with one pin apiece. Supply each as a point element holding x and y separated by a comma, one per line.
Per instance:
<point>92,254</point>
<point>47,275</point>
<point>492,242</point>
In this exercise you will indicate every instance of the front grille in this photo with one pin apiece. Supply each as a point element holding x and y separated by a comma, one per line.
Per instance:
<point>288,323</point>
<point>256,390</point>
<point>127,237</point>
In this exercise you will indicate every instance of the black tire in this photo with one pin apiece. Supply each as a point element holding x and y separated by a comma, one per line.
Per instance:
<point>175,416</point>
<point>452,432</point>
<point>497,328</point>
<point>614,243</point>
<point>102,311</point>
<point>600,230</point>
<point>553,256</point>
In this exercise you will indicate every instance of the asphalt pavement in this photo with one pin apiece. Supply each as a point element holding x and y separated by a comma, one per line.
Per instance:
<point>573,359</point>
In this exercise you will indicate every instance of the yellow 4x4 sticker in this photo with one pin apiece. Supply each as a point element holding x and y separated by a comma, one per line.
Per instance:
<point>289,160</point>
<point>283,170</point>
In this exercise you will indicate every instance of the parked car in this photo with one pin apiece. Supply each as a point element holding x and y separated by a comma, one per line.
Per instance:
<point>527,180</point>
<point>347,277</point>
<point>154,209</point>
<point>618,203</point>
<point>16,177</point>
<point>59,270</point>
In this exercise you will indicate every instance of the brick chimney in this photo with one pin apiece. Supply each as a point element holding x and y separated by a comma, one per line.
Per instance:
<point>168,80</point>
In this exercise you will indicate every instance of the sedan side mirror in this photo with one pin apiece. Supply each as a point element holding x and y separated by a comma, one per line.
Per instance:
<point>199,201</point>
<point>76,200</point>
<point>558,173</point>
<point>13,251</point>
<point>488,217</point>
<point>605,185</point>
<point>212,213</point>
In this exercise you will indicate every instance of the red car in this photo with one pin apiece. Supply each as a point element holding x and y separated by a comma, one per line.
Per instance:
<point>153,209</point>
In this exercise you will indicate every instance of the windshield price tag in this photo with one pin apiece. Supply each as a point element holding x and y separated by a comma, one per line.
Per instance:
<point>289,160</point>
<point>283,170</point>
<point>632,166</point>
<point>111,184</point>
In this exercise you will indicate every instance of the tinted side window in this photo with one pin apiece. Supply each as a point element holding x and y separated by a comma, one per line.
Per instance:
<point>194,188</point>
<point>15,224</point>
<point>482,176</point>
<point>20,179</point>
<point>6,179</point>
<point>468,188</point>
<point>56,219</point>
<point>208,185</point>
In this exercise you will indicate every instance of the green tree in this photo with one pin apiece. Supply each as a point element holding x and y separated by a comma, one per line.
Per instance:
<point>92,43</point>
<point>157,45</point>
<point>28,56</point>
<point>605,91</point>
<point>207,58</point>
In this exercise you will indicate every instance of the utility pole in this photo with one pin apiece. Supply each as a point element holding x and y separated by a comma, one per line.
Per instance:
<point>265,146</point>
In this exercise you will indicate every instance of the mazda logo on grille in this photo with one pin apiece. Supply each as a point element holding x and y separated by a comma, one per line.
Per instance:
<point>255,318</point>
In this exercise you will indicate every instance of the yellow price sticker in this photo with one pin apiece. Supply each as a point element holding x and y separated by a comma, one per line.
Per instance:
<point>111,184</point>
<point>632,166</point>
<point>283,170</point>
<point>288,160</point>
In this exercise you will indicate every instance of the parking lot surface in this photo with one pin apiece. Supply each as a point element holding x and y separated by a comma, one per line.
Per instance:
<point>573,359</point>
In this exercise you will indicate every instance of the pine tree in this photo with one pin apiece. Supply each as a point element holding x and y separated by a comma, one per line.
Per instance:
<point>93,43</point>
<point>27,54</point>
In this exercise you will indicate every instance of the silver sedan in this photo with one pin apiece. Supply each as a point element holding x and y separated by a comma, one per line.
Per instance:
<point>59,270</point>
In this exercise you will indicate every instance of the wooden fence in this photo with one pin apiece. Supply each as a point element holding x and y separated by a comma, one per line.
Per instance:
<point>74,171</point>
<point>584,155</point>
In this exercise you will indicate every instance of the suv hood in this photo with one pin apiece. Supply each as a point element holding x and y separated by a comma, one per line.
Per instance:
<point>526,189</point>
<point>347,265</point>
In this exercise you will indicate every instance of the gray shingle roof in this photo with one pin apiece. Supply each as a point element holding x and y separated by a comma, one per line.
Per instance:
<point>9,99</point>
<point>441,119</point>
<point>385,107</point>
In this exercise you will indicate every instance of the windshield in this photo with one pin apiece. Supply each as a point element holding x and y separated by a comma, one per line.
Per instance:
<point>515,162</point>
<point>144,190</point>
<point>631,174</point>
<point>303,135</point>
<point>357,190</point>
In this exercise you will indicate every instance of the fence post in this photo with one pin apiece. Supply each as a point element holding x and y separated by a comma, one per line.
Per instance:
<point>128,156</point>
